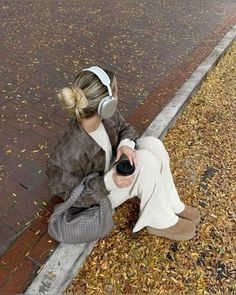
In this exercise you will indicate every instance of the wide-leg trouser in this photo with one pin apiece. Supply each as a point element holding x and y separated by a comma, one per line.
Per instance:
<point>153,185</point>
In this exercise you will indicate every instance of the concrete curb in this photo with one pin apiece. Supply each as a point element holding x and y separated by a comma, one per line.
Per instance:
<point>60,268</point>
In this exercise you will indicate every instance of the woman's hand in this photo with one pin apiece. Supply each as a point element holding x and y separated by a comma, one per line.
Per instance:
<point>122,181</point>
<point>130,154</point>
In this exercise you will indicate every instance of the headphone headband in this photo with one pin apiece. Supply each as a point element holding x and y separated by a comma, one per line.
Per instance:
<point>102,75</point>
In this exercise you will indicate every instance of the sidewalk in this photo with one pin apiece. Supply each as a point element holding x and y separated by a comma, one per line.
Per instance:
<point>201,146</point>
<point>42,54</point>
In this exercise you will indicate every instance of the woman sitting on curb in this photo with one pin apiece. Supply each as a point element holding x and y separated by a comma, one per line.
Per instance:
<point>102,136</point>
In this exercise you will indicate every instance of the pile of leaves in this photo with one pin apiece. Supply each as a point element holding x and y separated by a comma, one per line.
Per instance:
<point>201,146</point>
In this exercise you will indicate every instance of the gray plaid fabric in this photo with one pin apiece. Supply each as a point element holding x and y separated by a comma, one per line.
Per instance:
<point>73,225</point>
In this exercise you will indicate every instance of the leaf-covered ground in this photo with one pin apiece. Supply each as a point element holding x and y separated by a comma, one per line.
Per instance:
<point>201,146</point>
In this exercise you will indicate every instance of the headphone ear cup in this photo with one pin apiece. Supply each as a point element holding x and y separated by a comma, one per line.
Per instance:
<point>107,107</point>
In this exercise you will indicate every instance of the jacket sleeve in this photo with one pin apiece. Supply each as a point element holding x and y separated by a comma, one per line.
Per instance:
<point>62,180</point>
<point>95,188</point>
<point>125,130</point>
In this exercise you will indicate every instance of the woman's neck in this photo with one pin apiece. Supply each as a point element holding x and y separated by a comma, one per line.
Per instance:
<point>91,124</point>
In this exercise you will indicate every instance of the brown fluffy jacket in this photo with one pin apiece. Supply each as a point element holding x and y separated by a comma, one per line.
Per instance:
<point>76,155</point>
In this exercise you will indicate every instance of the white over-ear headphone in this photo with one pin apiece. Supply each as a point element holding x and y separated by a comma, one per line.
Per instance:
<point>108,104</point>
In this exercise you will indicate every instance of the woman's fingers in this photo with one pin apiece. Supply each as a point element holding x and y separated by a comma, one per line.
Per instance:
<point>134,159</point>
<point>130,158</point>
<point>129,153</point>
<point>124,181</point>
<point>118,155</point>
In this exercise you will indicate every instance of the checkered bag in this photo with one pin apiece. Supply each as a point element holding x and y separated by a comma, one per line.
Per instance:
<point>73,225</point>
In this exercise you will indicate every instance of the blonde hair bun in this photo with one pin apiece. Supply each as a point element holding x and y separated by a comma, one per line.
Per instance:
<point>73,99</point>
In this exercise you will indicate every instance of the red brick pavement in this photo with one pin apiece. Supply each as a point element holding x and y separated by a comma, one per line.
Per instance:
<point>153,48</point>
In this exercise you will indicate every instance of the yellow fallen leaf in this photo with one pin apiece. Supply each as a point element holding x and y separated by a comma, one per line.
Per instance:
<point>37,232</point>
<point>34,151</point>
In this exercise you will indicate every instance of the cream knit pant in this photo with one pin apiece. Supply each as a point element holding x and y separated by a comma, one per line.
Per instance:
<point>153,185</point>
